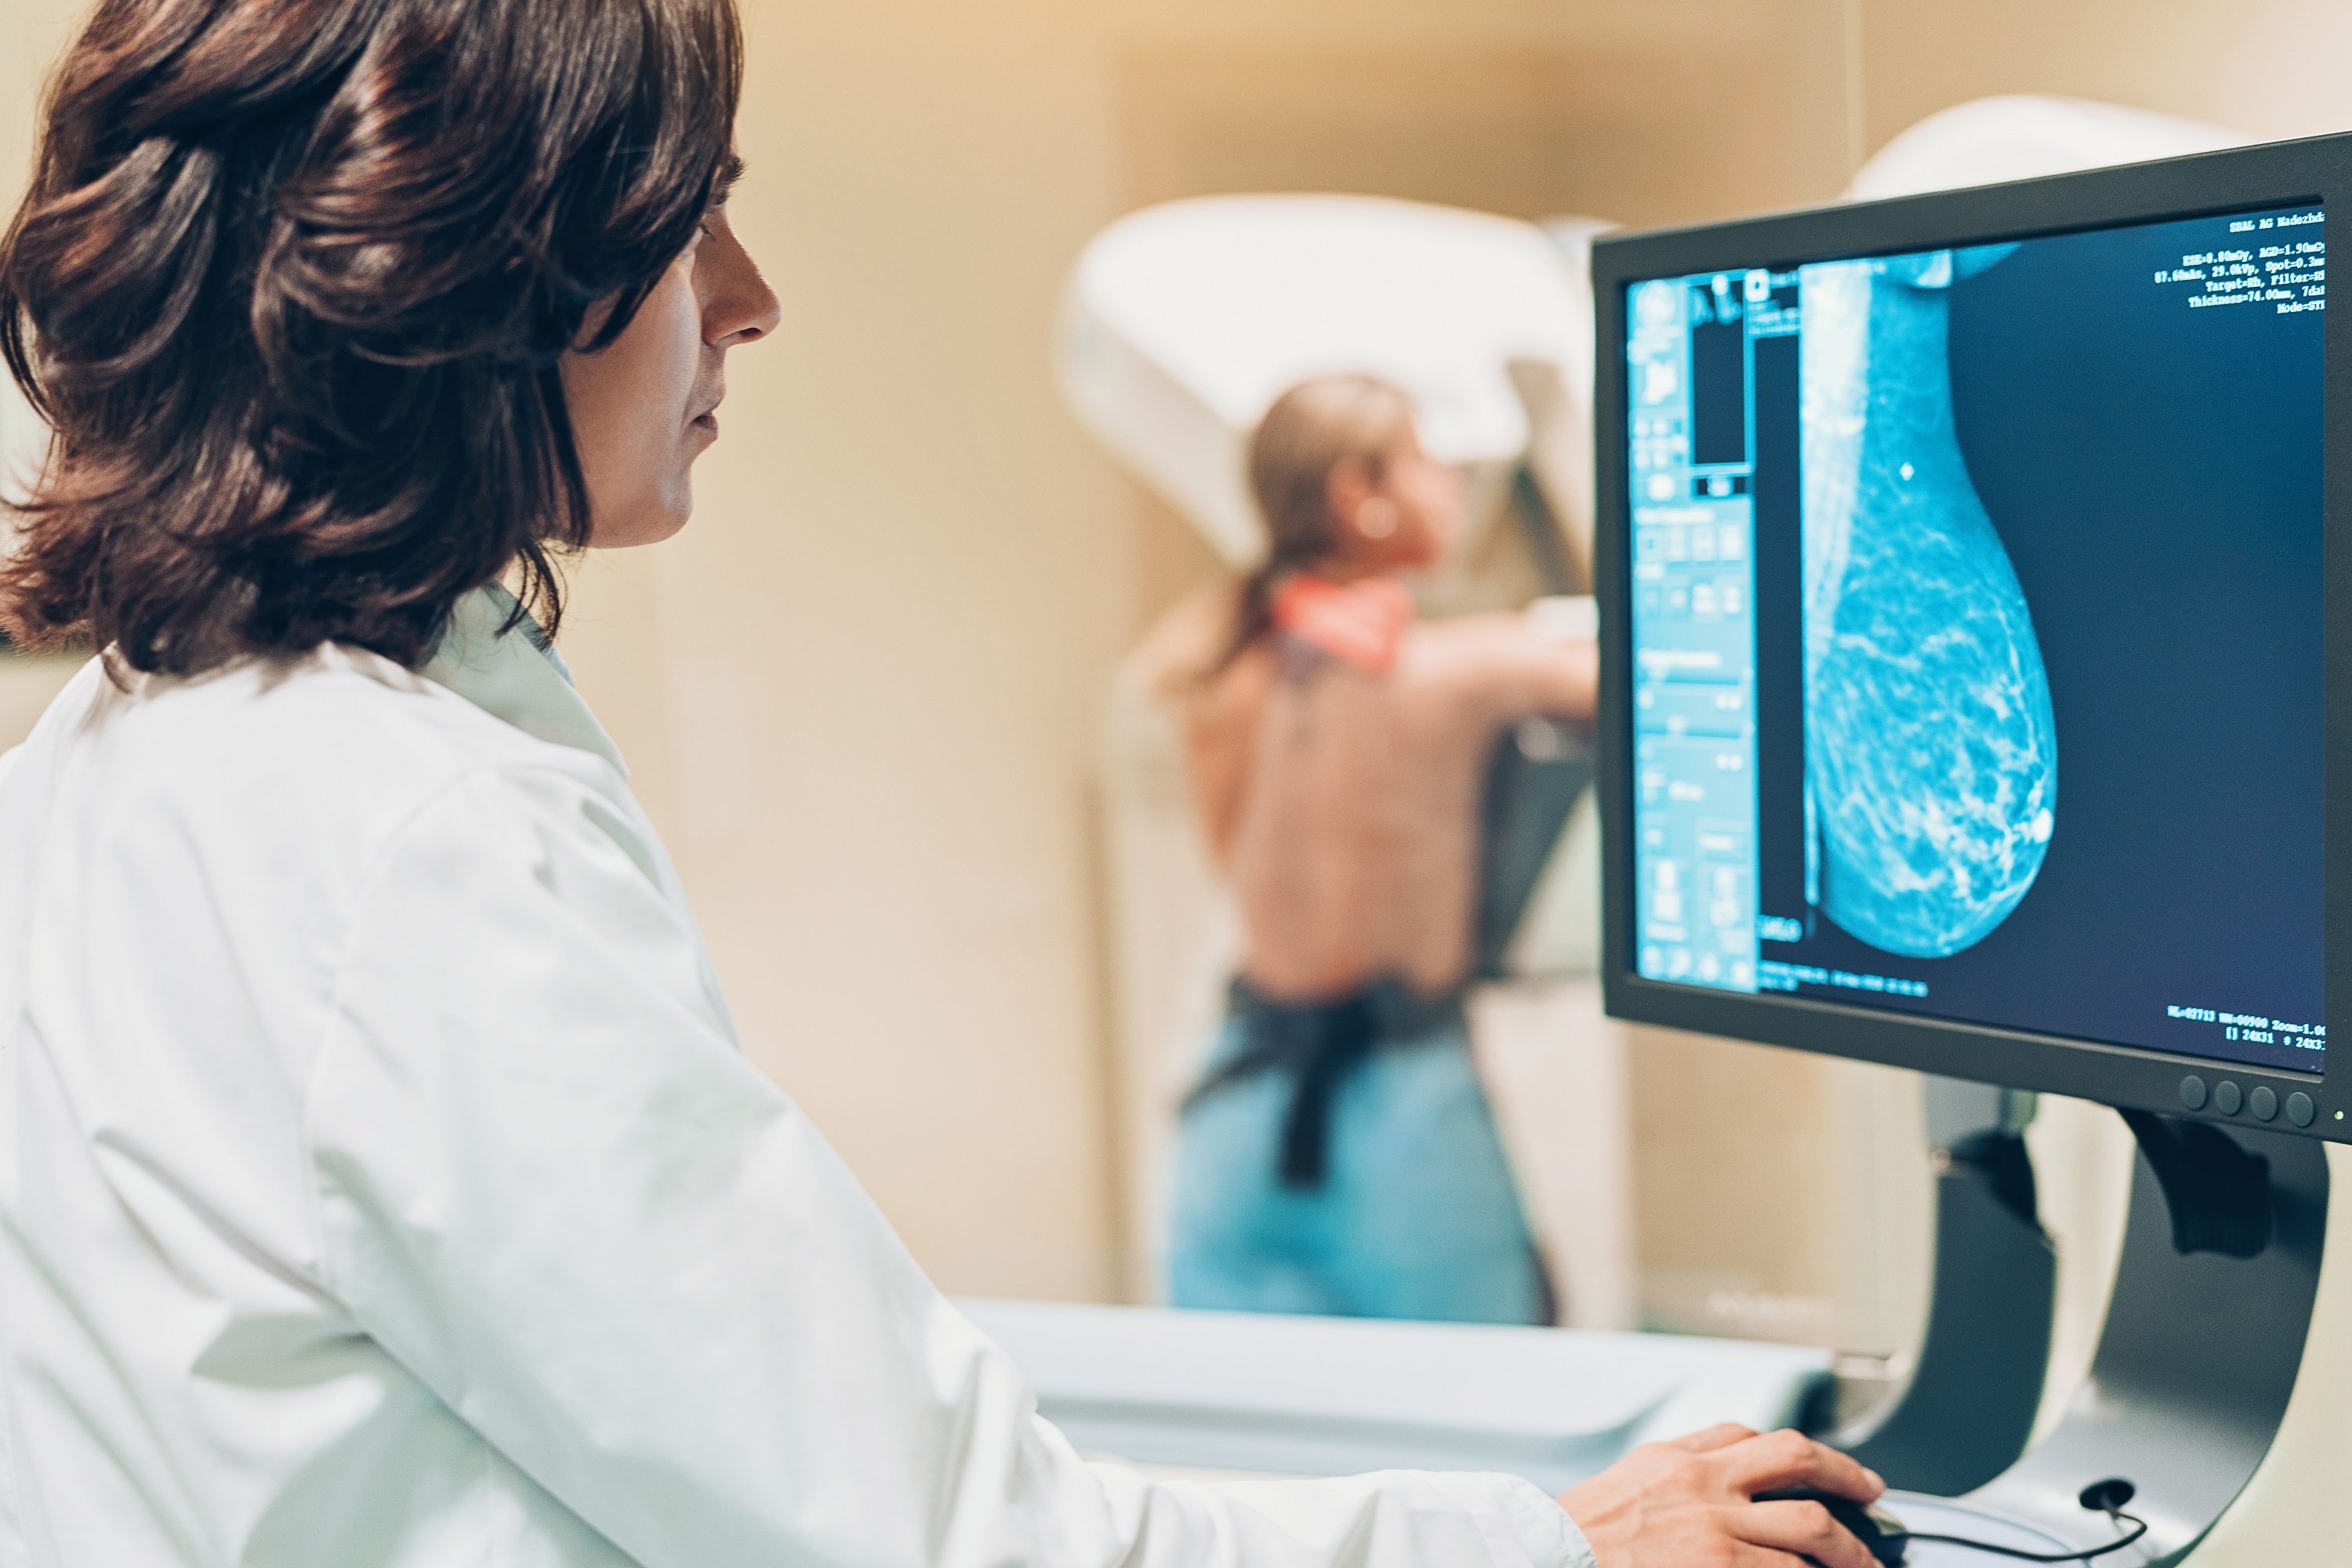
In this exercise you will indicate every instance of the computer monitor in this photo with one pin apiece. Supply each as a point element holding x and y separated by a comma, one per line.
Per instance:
<point>1974,669</point>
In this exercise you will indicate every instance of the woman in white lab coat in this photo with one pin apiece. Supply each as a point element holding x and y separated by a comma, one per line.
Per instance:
<point>380,1180</point>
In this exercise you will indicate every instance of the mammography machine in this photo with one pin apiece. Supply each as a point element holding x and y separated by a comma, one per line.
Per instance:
<point>1181,323</point>
<point>1969,644</point>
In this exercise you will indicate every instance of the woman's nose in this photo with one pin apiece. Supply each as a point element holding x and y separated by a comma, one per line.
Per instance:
<point>738,306</point>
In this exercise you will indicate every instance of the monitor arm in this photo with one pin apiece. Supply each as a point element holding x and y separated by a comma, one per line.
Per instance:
<point>2202,1344</point>
<point>1968,1410</point>
<point>2204,1334</point>
<point>2203,1339</point>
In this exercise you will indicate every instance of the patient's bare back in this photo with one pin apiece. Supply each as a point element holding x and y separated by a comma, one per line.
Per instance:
<point>1342,803</point>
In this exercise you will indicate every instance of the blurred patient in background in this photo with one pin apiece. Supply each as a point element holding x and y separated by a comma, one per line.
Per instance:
<point>1338,1155</point>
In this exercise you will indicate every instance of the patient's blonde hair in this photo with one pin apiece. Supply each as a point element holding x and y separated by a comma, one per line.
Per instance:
<point>1310,430</point>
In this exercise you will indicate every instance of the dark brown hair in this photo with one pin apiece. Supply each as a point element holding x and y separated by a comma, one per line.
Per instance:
<point>1310,430</point>
<point>291,285</point>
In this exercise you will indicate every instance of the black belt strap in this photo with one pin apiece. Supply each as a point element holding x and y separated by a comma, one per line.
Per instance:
<point>1317,1045</point>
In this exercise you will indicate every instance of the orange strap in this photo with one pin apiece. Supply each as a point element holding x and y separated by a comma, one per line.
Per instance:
<point>1362,624</point>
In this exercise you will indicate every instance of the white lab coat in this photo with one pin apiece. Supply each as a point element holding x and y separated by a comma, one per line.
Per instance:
<point>381,1186</point>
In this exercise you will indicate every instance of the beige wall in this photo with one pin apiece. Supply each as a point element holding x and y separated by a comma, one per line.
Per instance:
<point>857,692</point>
<point>31,34</point>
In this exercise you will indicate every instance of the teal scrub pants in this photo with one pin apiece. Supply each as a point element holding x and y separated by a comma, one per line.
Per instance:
<point>1413,1213</point>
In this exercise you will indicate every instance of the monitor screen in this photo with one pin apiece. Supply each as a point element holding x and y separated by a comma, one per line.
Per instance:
<point>1976,625</point>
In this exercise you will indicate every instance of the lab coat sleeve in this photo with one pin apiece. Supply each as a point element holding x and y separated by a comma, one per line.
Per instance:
<point>550,1184</point>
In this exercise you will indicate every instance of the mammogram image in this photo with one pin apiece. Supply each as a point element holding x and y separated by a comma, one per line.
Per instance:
<point>1931,768</point>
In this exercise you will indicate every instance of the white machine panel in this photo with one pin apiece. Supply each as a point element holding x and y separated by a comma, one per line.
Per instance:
<point>1279,1394</point>
<point>1183,321</point>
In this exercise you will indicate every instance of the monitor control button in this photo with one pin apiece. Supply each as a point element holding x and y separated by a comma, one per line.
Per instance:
<point>2193,1092</point>
<point>2263,1102</point>
<point>2299,1109</point>
<point>2226,1098</point>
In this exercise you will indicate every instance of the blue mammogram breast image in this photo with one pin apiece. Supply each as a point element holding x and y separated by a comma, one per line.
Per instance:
<point>1931,755</point>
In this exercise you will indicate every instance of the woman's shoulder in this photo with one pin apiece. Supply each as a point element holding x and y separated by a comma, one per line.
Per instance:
<point>257,809</point>
<point>340,743</point>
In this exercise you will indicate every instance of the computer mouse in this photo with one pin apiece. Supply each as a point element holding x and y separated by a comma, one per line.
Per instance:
<point>1886,1536</point>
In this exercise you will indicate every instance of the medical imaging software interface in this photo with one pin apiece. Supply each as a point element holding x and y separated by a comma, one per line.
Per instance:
<point>1977,628</point>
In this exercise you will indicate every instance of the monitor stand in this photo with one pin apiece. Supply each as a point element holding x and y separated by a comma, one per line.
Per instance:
<point>1967,1411</point>
<point>2202,1347</point>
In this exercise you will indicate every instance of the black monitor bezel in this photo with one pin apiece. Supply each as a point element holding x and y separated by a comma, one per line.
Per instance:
<point>2274,175</point>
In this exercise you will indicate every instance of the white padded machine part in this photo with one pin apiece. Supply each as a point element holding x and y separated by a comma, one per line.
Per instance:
<point>2022,137</point>
<point>1182,322</point>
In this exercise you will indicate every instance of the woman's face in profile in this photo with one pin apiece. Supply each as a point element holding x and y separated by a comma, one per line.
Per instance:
<point>1426,497</point>
<point>646,407</point>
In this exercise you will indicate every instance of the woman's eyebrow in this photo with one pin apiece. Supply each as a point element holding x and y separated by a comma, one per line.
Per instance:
<point>729,172</point>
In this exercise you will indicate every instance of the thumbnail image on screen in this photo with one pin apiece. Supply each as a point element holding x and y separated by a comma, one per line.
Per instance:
<point>1976,634</point>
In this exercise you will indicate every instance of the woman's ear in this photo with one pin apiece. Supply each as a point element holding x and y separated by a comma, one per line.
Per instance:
<point>1360,512</point>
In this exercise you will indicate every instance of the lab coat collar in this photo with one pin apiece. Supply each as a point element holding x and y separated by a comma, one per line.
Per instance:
<point>515,675</point>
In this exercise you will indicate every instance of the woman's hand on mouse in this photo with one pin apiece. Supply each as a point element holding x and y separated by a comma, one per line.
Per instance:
<point>1686,1504</point>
